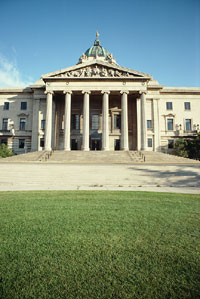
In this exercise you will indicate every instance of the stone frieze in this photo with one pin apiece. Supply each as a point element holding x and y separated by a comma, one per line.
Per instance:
<point>94,71</point>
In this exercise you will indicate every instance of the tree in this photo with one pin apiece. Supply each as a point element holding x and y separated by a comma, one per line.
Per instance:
<point>5,151</point>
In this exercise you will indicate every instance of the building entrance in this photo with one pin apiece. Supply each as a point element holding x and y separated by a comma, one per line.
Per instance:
<point>117,144</point>
<point>95,145</point>
<point>74,145</point>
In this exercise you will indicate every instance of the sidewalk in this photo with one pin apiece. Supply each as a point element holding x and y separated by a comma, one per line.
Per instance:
<point>135,177</point>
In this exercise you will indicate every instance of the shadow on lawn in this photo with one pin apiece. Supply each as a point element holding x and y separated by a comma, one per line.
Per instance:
<point>179,175</point>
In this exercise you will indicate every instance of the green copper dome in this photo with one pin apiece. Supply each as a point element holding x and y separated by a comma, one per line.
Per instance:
<point>97,49</point>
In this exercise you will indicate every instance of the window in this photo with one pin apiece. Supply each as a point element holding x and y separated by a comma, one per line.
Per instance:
<point>22,125</point>
<point>170,143</point>
<point>149,124</point>
<point>187,105</point>
<point>5,124</point>
<point>170,124</point>
<point>188,124</point>
<point>4,141</point>
<point>75,122</point>
<point>43,124</point>
<point>117,121</point>
<point>169,105</point>
<point>6,106</point>
<point>149,142</point>
<point>41,142</point>
<point>23,105</point>
<point>95,121</point>
<point>21,143</point>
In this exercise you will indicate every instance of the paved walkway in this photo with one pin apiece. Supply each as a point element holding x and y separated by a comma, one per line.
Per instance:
<point>147,177</point>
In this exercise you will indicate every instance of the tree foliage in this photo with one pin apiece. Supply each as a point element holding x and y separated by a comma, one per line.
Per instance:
<point>188,148</point>
<point>5,151</point>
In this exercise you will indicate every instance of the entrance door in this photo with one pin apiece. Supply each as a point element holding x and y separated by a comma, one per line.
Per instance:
<point>95,145</point>
<point>74,145</point>
<point>117,144</point>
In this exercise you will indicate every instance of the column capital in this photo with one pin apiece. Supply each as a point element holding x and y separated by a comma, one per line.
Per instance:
<point>67,91</point>
<point>142,92</point>
<point>124,91</point>
<point>105,91</point>
<point>49,91</point>
<point>86,91</point>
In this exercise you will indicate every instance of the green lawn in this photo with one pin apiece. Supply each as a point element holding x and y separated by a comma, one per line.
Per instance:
<point>99,245</point>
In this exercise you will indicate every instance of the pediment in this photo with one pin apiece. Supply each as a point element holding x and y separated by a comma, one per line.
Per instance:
<point>96,69</point>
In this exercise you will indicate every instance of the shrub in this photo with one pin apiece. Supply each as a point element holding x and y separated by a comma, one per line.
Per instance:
<point>188,148</point>
<point>5,151</point>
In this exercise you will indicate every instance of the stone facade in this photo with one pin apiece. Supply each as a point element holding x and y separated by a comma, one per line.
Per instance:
<point>97,105</point>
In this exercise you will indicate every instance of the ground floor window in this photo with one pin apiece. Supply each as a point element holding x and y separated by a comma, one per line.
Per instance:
<point>95,121</point>
<point>43,124</point>
<point>21,143</point>
<point>117,121</point>
<point>149,142</point>
<point>5,124</point>
<point>4,141</point>
<point>22,124</point>
<point>149,124</point>
<point>188,126</point>
<point>170,143</point>
<point>75,122</point>
<point>170,124</point>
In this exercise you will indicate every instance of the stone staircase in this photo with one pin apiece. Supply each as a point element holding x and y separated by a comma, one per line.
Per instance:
<point>158,157</point>
<point>28,157</point>
<point>96,157</point>
<point>107,157</point>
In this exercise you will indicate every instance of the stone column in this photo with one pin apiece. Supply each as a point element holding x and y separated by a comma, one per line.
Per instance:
<point>124,121</point>
<point>48,124</point>
<point>138,124</point>
<point>156,124</point>
<point>143,122</point>
<point>35,126</point>
<point>86,121</point>
<point>67,121</point>
<point>105,121</point>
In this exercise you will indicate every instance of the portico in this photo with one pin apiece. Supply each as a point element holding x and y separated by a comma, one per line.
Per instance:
<point>93,120</point>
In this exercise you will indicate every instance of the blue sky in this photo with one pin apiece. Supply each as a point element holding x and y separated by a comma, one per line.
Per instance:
<point>158,37</point>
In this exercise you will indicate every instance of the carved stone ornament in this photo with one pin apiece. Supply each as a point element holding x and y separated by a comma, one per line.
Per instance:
<point>95,71</point>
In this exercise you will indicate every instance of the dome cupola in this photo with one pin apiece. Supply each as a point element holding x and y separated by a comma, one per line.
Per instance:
<point>97,52</point>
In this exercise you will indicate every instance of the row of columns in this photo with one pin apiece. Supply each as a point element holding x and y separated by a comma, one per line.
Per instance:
<point>86,129</point>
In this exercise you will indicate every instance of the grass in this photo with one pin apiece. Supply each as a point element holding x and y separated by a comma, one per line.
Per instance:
<point>99,245</point>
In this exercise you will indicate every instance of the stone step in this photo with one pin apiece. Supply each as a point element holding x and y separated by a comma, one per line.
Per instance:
<point>95,156</point>
<point>33,156</point>
<point>158,157</point>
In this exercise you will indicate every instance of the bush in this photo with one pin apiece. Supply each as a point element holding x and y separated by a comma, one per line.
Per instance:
<point>188,148</point>
<point>5,151</point>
